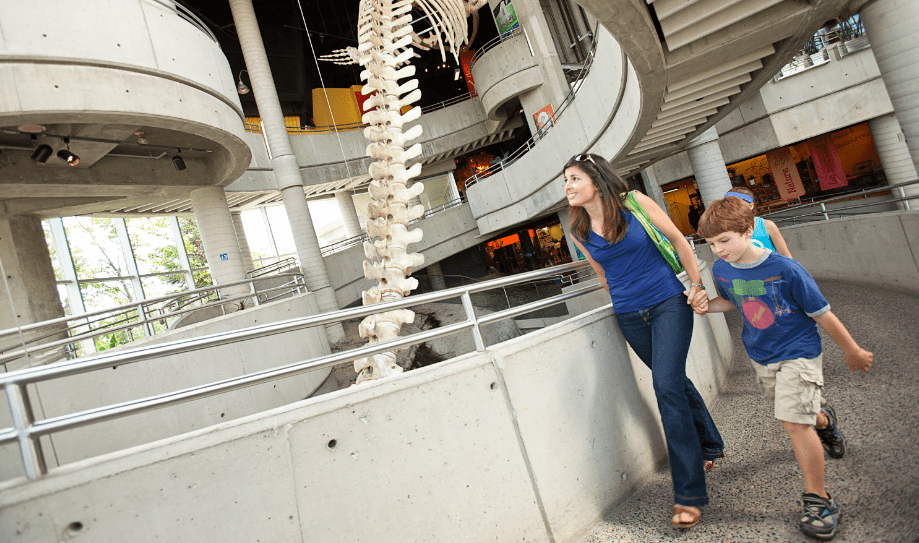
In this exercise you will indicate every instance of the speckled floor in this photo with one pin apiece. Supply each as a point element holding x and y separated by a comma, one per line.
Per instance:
<point>755,492</point>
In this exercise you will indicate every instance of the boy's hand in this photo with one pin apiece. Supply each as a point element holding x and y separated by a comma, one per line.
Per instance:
<point>860,359</point>
<point>698,299</point>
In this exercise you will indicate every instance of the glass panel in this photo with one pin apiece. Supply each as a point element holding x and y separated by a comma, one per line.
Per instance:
<point>259,244</point>
<point>280,228</point>
<point>94,247</point>
<point>154,250</point>
<point>195,248</point>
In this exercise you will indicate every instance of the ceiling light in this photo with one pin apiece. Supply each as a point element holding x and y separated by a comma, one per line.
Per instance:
<point>67,156</point>
<point>456,74</point>
<point>140,138</point>
<point>241,87</point>
<point>42,153</point>
<point>177,160</point>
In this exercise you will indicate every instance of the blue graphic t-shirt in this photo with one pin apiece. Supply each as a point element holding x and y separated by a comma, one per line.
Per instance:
<point>778,300</point>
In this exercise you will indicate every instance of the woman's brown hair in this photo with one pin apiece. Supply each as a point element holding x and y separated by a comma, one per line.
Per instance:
<point>611,188</point>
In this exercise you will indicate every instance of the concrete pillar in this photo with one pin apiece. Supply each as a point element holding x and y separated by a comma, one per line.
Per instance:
<point>28,292</point>
<point>224,259</point>
<point>893,30</point>
<point>708,167</point>
<point>653,189</point>
<point>348,214</point>
<point>241,239</point>
<point>895,158</point>
<point>436,276</point>
<point>283,161</point>
<point>555,87</point>
<point>564,217</point>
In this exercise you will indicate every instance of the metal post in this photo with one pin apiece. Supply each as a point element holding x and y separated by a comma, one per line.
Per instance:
<point>903,198</point>
<point>254,290</point>
<point>21,413</point>
<point>823,209</point>
<point>470,315</point>
<point>145,326</point>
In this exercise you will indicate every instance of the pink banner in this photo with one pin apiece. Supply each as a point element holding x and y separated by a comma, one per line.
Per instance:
<point>785,173</point>
<point>827,163</point>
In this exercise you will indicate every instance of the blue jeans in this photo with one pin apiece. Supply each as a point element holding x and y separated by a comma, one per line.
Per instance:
<point>660,336</point>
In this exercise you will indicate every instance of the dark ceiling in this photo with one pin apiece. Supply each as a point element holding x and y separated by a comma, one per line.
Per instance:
<point>332,25</point>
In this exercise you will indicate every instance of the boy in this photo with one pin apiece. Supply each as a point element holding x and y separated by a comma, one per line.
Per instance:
<point>781,307</point>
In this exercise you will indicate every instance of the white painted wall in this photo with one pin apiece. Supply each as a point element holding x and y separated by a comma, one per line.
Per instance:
<point>531,440</point>
<point>171,373</point>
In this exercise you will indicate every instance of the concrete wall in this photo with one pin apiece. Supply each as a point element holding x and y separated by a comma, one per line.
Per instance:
<point>445,233</point>
<point>504,72</point>
<point>171,373</point>
<point>532,440</point>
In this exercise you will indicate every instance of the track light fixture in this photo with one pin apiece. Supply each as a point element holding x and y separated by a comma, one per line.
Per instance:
<point>42,153</point>
<point>68,157</point>
<point>241,87</point>
<point>177,160</point>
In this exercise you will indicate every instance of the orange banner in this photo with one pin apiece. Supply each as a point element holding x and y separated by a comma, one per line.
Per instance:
<point>827,163</point>
<point>785,173</point>
<point>465,57</point>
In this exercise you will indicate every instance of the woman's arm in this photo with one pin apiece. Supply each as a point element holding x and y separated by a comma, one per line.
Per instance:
<point>776,238</point>
<point>687,257</point>
<point>597,268</point>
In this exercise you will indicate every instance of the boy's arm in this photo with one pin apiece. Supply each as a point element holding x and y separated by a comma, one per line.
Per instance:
<point>856,357</point>
<point>719,305</point>
<point>777,238</point>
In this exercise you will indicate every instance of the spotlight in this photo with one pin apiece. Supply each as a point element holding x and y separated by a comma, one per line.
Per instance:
<point>68,157</point>
<point>241,87</point>
<point>177,160</point>
<point>42,153</point>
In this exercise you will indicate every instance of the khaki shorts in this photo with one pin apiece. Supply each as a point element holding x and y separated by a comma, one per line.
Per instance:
<point>794,386</point>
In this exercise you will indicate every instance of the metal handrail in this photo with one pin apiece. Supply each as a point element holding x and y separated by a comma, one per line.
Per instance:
<point>492,43</point>
<point>145,315</point>
<point>447,103</point>
<point>289,262</point>
<point>541,133</point>
<point>26,431</point>
<point>825,213</point>
<point>184,13</point>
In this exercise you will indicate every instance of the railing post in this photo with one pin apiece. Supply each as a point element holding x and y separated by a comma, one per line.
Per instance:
<point>21,412</point>
<point>903,198</point>
<point>254,290</point>
<point>145,326</point>
<point>823,209</point>
<point>470,315</point>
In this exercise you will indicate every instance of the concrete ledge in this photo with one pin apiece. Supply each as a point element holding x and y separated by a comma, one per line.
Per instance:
<point>531,440</point>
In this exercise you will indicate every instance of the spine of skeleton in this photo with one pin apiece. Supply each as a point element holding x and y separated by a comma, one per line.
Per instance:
<point>385,34</point>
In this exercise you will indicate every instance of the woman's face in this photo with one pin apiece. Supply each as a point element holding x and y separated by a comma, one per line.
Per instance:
<point>579,189</point>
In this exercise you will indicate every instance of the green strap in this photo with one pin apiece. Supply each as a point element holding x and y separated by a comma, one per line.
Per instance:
<point>663,244</point>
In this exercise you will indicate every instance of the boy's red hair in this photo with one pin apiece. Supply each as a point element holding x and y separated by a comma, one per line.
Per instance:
<point>725,215</point>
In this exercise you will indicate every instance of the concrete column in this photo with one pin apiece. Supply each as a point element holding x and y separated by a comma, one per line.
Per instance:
<point>224,259</point>
<point>436,275</point>
<point>283,161</point>
<point>653,189</point>
<point>564,217</point>
<point>895,158</point>
<point>28,292</point>
<point>893,30</point>
<point>243,242</point>
<point>708,167</point>
<point>348,214</point>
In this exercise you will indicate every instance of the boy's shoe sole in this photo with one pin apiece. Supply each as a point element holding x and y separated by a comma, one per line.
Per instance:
<point>821,517</point>
<point>834,443</point>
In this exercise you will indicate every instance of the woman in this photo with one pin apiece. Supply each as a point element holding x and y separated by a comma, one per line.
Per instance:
<point>653,311</point>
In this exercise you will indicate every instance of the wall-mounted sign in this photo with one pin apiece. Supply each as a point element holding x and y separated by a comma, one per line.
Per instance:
<point>544,117</point>
<point>785,173</point>
<point>505,17</point>
<point>224,256</point>
<point>465,57</point>
<point>827,163</point>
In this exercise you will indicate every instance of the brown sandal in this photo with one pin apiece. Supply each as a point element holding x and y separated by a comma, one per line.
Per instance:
<point>694,512</point>
<point>709,465</point>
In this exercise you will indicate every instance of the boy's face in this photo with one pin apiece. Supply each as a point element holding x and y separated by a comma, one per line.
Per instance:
<point>733,247</point>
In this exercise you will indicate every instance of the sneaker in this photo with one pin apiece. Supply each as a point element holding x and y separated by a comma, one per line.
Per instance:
<point>833,442</point>
<point>821,516</point>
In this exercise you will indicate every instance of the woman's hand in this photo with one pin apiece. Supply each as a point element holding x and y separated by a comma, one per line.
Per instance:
<point>698,299</point>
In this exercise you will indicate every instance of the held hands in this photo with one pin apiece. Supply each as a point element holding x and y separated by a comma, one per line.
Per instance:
<point>859,359</point>
<point>698,299</point>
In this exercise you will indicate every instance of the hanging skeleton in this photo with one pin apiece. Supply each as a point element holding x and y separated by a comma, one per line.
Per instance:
<point>384,37</point>
<point>427,39</point>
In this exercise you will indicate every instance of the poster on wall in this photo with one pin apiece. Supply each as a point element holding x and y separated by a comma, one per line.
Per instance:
<point>465,57</point>
<point>785,173</point>
<point>505,17</point>
<point>827,163</point>
<point>544,117</point>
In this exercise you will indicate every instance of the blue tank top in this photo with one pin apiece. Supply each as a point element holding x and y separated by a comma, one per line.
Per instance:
<point>636,273</point>
<point>760,236</point>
